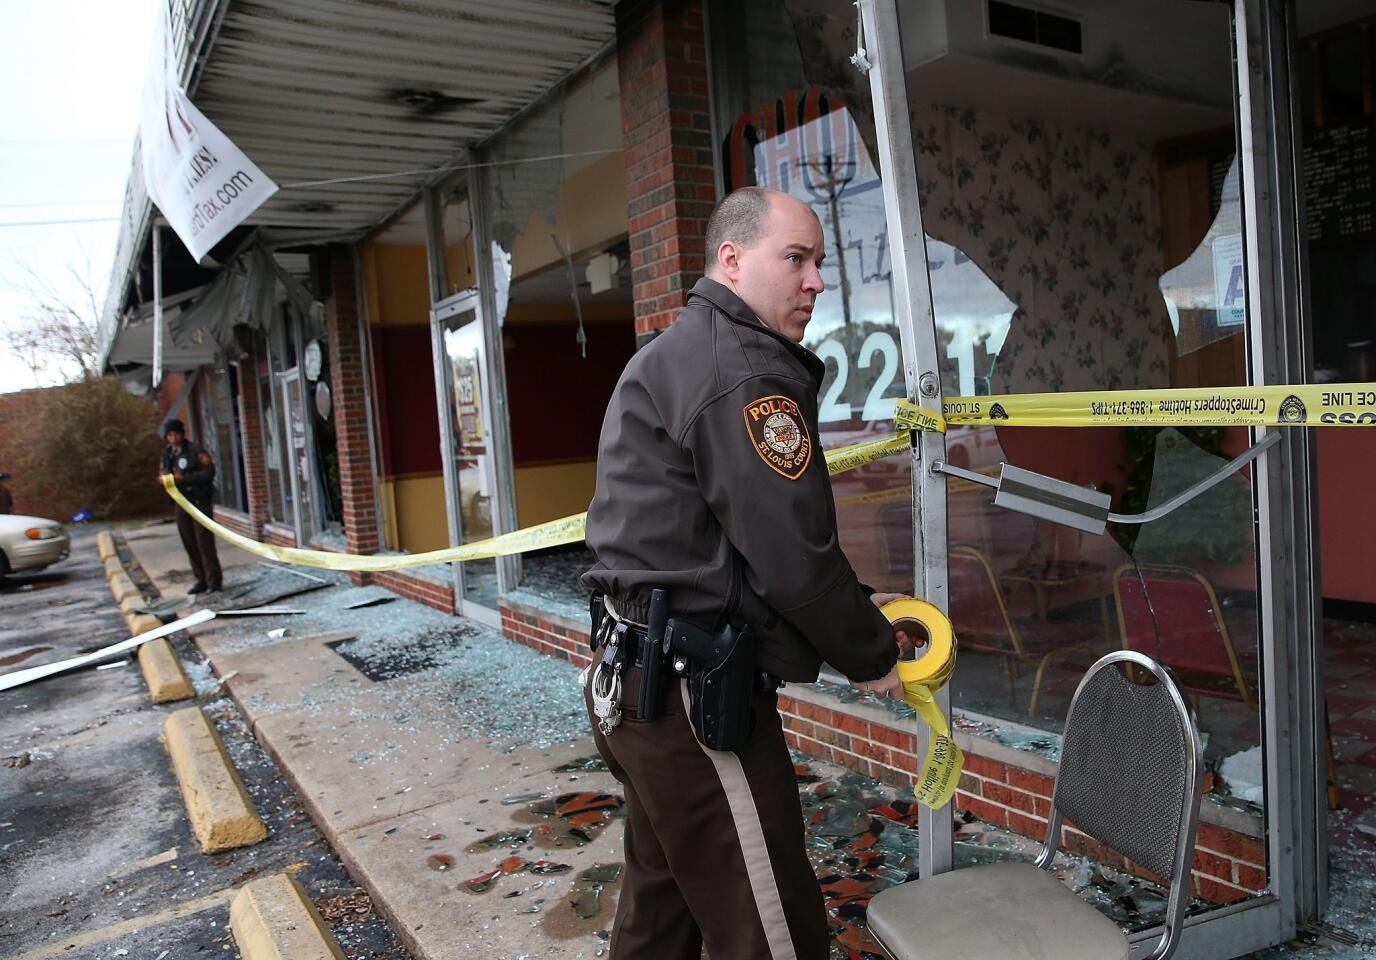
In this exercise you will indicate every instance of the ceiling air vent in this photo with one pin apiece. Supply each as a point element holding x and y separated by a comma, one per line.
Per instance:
<point>1013,21</point>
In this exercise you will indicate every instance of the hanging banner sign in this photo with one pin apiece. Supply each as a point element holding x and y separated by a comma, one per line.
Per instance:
<point>202,183</point>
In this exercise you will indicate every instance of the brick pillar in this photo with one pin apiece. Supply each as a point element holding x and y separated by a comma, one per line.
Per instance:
<point>356,487</point>
<point>251,443</point>
<point>671,190</point>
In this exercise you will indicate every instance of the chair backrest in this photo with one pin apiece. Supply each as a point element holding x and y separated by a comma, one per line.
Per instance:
<point>1173,614</point>
<point>1130,773</point>
<point>978,611</point>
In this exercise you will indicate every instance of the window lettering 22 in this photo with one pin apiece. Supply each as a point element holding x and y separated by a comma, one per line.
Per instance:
<point>877,405</point>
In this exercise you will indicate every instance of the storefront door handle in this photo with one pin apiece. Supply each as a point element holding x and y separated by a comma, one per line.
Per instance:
<point>1212,480</point>
<point>1084,508</point>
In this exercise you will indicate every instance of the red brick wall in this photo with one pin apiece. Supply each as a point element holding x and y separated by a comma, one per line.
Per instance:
<point>237,522</point>
<point>550,638</point>
<point>1228,866</point>
<point>432,594</point>
<point>19,411</point>
<point>350,406</point>
<point>278,535</point>
<point>665,124</point>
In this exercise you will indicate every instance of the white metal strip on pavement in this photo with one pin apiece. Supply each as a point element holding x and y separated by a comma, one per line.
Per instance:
<point>17,678</point>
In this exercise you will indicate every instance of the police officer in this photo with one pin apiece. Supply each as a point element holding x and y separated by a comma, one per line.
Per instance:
<point>194,471</point>
<point>710,487</point>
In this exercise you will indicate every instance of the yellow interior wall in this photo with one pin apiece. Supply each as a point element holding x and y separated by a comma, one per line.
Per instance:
<point>387,502</point>
<point>458,259</point>
<point>420,512</point>
<point>553,491</point>
<point>396,291</point>
<point>591,213</point>
<point>396,284</point>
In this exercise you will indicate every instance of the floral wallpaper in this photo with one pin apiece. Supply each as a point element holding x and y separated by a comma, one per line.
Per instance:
<point>1065,221</point>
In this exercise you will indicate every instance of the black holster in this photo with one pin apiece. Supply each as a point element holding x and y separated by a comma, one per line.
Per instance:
<point>721,681</point>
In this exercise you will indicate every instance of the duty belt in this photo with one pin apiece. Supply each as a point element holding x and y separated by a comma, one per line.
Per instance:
<point>629,670</point>
<point>633,665</point>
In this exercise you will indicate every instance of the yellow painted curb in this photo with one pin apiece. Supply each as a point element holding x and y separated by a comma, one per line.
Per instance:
<point>220,811</point>
<point>273,919</point>
<point>166,679</point>
<point>121,586</point>
<point>141,623</point>
<point>131,604</point>
<point>105,545</point>
<point>113,566</point>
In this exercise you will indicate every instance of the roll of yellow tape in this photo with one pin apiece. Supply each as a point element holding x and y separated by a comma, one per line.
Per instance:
<point>922,677</point>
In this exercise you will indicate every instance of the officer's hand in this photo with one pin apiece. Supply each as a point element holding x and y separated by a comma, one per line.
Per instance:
<point>906,641</point>
<point>886,686</point>
<point>177,474</point>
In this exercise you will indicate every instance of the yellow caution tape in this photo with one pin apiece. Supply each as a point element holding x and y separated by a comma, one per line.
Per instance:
<point>939,774</point>
<point>1303,405</point>
<point>1350,404</point>
<point>551,534</point>
<point>858,454</point>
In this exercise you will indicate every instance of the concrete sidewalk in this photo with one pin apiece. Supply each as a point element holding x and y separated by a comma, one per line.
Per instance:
<point>442,762</point>
<point>420,743</point>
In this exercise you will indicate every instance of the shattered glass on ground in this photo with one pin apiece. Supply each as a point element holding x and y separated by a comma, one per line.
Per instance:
<point>861,835</point>
<point>549,580</point>
<point>418,659</point>
<point>862,838</point>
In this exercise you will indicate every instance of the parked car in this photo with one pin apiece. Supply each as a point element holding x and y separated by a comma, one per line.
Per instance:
<point>31,543</point>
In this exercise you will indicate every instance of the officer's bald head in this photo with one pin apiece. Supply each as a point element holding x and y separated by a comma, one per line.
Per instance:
<point>767,247</point>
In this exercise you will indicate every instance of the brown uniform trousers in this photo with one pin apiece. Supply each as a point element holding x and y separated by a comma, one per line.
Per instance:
<point>714,843</point>
<point>200,546</point>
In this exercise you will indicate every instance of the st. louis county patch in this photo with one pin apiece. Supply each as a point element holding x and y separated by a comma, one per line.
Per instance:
<point>779,434</point>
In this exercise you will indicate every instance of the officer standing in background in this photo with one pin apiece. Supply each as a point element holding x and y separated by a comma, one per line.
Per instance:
<point>194,472</point>
<point>714,531</point>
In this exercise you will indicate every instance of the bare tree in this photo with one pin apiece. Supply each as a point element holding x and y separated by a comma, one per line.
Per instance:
<point>56,333</point>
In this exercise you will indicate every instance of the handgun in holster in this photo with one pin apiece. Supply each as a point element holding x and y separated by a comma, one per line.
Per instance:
<point>721,681</point>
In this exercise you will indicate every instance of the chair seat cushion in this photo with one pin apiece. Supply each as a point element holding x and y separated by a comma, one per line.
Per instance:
<point>1008,911</point>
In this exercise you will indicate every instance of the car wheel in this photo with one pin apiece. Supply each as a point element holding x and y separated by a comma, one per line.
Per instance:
<point>4,564</point>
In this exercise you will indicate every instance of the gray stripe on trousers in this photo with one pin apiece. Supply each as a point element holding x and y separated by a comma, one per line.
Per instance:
<point>758,867</point>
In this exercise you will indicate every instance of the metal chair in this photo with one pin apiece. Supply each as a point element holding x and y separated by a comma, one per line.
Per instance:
<point>1130,777</point>
<point>1173,613</point>
<point>984,623</point>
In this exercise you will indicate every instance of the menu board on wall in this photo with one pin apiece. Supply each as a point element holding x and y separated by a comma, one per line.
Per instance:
<point>1340,183</point>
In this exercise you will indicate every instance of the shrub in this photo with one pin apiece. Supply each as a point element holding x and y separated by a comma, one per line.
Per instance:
<point>93,445</point>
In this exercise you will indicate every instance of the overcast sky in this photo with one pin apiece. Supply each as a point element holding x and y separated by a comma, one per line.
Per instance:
<point>72,72</point>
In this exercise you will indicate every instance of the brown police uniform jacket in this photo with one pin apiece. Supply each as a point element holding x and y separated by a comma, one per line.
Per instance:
<point>710,485</point>
<point>198,471</point>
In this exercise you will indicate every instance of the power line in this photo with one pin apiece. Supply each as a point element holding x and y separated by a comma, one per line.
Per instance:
<point>62,203</point>
<point>55,223</point>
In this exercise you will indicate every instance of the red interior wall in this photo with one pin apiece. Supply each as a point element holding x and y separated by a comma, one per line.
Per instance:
<point>408,419</point>
<point>557,397</point>
<point>1347,524</point>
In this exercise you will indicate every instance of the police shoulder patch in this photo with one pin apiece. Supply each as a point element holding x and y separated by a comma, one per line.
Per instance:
<point>779,435</point>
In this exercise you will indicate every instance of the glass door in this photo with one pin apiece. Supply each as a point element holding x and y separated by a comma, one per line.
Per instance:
<point>465,410</point>
<point>301,491</point>
<point>1075,203</point>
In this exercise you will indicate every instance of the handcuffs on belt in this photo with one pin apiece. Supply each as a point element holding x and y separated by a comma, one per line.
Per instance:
<point>606,674</point>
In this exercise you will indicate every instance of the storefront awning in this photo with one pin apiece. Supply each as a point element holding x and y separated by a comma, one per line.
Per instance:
<point>352,108</point>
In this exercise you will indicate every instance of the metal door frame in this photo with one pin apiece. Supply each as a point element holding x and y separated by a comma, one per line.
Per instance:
<point>1285,525</point>
<point>284,381</point>
<point>466,301</point>
<point>498,424</point>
